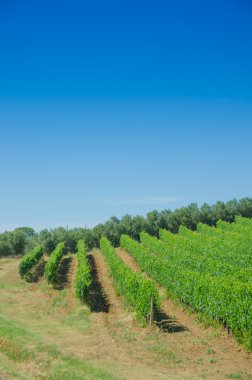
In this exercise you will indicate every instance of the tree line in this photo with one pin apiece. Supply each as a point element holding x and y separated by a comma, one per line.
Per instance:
<point>24,239</point>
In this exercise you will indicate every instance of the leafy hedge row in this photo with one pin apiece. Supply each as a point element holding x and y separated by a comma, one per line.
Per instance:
<point>53,263</point>
<point>236,228</point>
<point>30,260</point>
<point>223,299</point>
<point>137,290</point>
<point>83,276</point>
<point>190,255</point>
<point>208,246</point>
<point>217,233</point>
<point>246,222</point>
<point>226,247</point>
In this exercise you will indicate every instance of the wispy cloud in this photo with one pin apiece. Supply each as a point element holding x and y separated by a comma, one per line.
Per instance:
<point>144,201</point>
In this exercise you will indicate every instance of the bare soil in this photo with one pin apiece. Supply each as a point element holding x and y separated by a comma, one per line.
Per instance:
<point>107,337</point>
<point>219,344</point>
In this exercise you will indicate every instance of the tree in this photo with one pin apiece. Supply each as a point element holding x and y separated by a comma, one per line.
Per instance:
<point>5,248</point>
<point>152,222</point>
<point>17,242</point>
<point>47,240</point>
<point>245,207</point>
<point>206,214</point>
<point>27,231</point>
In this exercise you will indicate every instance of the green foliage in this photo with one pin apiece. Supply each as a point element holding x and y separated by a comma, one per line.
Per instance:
<point>245,222</point>
<point>237,228</point>
<point>233,376</point>
<point>12,243</point>
<point>28,231</point>
<point>25,239</point>
<point>137,290</point>
<point>224,299</point>
<point>224,246</point>
<point>113,228</point>
<point>30,260</point>
<point>17,241</point>
<point>48,241</point>
<point>53,263</point>
<point>83,276</point>
<point>184,250</point>
<point>5,248</point>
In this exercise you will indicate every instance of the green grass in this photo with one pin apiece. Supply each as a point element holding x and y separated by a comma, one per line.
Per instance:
<point>8,370</point>
<point>11,329</point>
<point>127,335</point>
<point>200,361</point>
<point>212,360</point>
<point>44,336</point>
<point>19,345</point>
<point>32,335</point>
<point>75,369</point>
<point>60,300</point>
<point>78,319</point>
<point>15,351</point>
<point>234,376</point>
<point>161,350</point>
<point>209,350</point>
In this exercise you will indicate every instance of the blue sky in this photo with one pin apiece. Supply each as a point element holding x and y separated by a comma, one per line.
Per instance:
<point>108,108</point>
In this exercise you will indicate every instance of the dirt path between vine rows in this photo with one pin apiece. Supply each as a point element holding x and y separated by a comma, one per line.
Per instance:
<point>47,334</point>
<point>71,284</point>
<point>221,350</point>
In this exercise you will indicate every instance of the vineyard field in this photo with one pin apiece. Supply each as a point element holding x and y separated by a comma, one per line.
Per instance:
<point>209,270</point>
<point>177,307</point>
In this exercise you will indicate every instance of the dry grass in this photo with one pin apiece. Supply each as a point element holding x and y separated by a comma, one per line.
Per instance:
<point>47,334</point>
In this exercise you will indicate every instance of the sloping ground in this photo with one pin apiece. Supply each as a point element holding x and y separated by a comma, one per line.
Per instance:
<point>221,350</point>
<point>47,334</point>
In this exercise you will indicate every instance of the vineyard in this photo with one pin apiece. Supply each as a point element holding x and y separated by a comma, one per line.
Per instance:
<point>29,261</point>
<point>53,263</point>
<point>140,292</point>
<point>209,270</point>
<point>135,286</point>
<point>213,292</point>
<point>83,276</point>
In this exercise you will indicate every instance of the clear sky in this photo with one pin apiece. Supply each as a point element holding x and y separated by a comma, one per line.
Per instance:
<point>115,107</point>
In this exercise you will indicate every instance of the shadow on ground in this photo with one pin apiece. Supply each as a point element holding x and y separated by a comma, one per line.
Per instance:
<point>63,271</point>
<point>168,324</point>
<point>98,301</point>
<point>37,273</point>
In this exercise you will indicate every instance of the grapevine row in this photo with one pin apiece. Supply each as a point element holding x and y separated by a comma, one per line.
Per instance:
<point>245,222</point>
<point>30,260</point>
<point>188,255</point>
<point>235,228</point>
<point>227,237</point>
<point>138,291</point>
<point>227,248</point>
<point>53,263</point>
<point>223,299</point>
<point>83,275</point>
